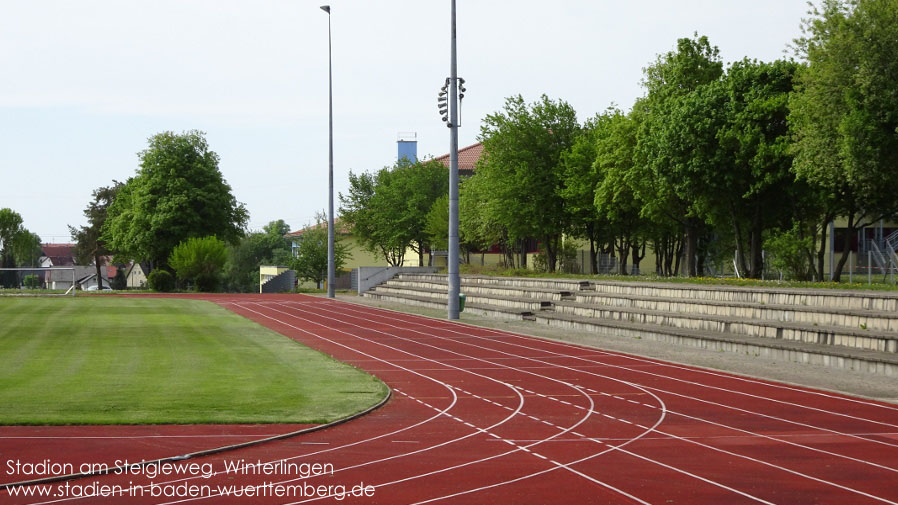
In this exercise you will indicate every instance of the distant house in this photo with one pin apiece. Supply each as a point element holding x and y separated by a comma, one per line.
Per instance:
<point>136,275</point>
<point>89,281</point>
<point>467,159</point>
<point>358,255</point>
<point>57,255</point>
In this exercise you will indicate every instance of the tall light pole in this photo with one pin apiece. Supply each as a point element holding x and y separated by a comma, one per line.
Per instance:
<point>330,171</point>
<point>454,280</point>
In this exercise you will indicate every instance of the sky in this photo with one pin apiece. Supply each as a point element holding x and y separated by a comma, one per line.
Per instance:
<point>84,84</point>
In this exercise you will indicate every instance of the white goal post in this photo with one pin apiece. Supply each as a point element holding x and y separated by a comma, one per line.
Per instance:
<point>71,288</point>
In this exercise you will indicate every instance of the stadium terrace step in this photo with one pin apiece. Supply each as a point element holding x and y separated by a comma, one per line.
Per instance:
<point>848,329</point>
<point>847,318</point>
<point>820,298</point>
<point>811,333</point>
<point>511,303</point>
<point>792,351</point>
<point>437,303</point>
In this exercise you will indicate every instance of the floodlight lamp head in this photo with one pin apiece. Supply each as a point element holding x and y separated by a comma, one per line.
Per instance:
<point>326,8</point>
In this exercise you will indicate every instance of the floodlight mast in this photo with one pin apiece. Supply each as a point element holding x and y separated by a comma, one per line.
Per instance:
<point>331,273</point>
<point>454,279</point>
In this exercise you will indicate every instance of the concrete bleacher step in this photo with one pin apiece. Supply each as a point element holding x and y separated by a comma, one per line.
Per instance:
<point>510,303</point>
<point>856,330</point>
<point>437,303</point>
<point>858,318</point>
<point>821,298</point>
<point>794,351</point>
<point>765,328</point>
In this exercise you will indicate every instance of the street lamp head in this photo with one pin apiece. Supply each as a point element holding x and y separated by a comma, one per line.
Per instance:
<point>326,8</point>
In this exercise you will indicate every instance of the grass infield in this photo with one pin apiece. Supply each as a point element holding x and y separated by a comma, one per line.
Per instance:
<point>129,360</point>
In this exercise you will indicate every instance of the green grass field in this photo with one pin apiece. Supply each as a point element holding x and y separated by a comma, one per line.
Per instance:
<point>131,360</point>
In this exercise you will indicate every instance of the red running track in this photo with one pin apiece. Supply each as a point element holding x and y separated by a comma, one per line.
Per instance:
<point>485,416</point>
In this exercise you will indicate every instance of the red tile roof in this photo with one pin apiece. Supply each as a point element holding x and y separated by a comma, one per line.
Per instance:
<point>467,158</point>
<point>62,255</point>
<point>338,225</point>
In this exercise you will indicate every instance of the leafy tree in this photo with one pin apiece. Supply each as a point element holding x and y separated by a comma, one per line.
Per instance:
<point>845,114</point>
<point>177,194</point>
<point>27,249</point>
<point>17,245</point>
<point>200,260</point>
<point>478,225</point>
<point>614,198</point>
<point>277,228</point>
<point>578,190</point>
<point>437,224</point>
<point>270,247</point>
<point>522,146</point>
<point>89,245</point>
<point>676,147</point>
<point>387,211</point>
<point>311,256</point>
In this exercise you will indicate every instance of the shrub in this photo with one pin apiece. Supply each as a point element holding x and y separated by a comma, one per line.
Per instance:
<point>200,260</point>
<point>161,280</point>
<point>790,253</point>
<point>31,281</point>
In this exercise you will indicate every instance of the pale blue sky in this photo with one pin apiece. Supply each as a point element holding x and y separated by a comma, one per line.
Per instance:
<point>85,83</point>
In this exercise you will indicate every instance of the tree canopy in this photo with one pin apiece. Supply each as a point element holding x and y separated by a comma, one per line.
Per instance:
<point>522,155</point>
<point>178,193</point>
<point>387,210</point>
<point>310,262</point>
<point>844,116</point>
<point>89,244</point>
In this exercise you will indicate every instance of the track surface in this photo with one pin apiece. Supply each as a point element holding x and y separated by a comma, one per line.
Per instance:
<point>484,416</point>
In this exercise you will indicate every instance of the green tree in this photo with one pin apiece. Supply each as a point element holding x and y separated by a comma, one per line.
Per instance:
<point>269,247</point>
<point>614,198</point>
<point>200,260</point>
<point>89,245</point>
<point>311,255</point>
<point>387,210</point>
<point>18,246</point>
<point>676,147</point>
<point>177,194</point>
<point>522,149</point>
<point>844,116</point>
<point>578,190</point>
<point>437,224</point>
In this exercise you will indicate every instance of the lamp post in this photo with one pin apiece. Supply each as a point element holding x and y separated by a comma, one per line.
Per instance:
<point>454,279</point>
<point>330,171</point>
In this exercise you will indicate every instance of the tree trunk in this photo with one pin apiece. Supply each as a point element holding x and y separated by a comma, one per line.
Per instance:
<point>756,247</point>
<point>677,257</point>
<point>622,245</point>
<point>740,253</point>
<point>551,253</point>
<point>821,253</point>
<point>846,248</point>
<point>97,262</point>
<point>692,232</point>
<point>637,256</point>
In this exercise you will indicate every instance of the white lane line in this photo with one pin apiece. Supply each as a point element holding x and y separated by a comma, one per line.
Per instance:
<point>658,422</point>
<point>618,380</point>
<point>594,374</point>
<point>315,453</point>
<point>881,442</point>
<point>583,419</point>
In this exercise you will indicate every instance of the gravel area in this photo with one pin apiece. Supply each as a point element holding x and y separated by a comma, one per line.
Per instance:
<point>831,379</point>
